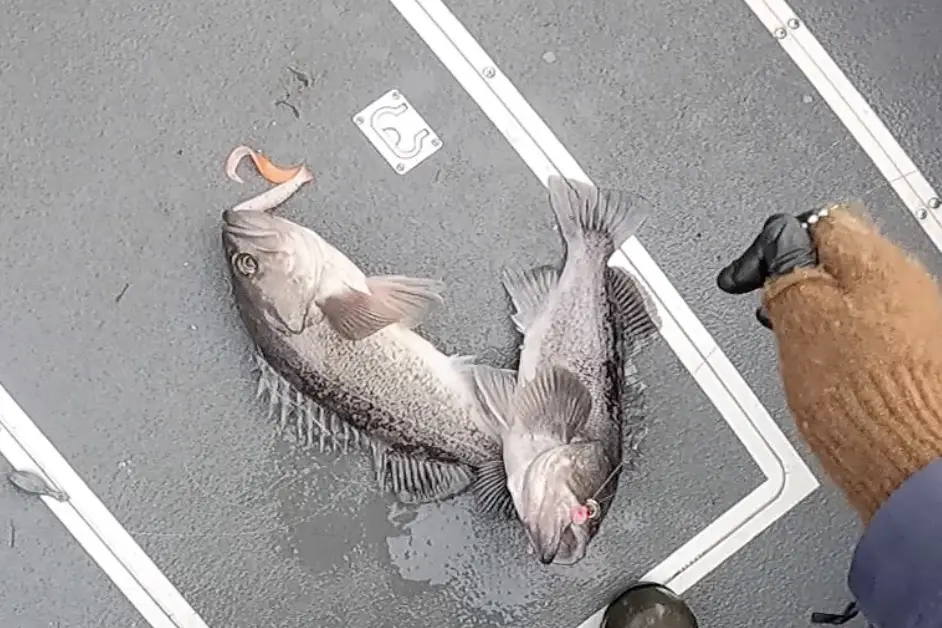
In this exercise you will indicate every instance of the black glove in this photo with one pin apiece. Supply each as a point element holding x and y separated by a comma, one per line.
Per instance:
<point>783,246</point>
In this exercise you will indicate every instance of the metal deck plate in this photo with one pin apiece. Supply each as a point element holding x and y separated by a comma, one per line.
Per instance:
<point>397,131</point>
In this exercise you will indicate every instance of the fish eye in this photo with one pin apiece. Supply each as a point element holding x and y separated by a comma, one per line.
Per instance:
<point>245,263</point>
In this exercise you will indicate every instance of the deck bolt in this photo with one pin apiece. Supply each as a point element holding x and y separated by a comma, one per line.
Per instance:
<point>359,119</point>
<point>921,214</point>
<point>934,203</point>
<point>489,72</point>
<point>779,33</point>
<point>793,23</point>
<point>400,167</point>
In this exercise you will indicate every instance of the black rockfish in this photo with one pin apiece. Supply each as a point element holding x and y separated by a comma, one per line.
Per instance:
<point>339,358</point>
<point>559,417</point>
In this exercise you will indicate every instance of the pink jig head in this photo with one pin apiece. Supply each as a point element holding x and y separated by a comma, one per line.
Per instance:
<point>584,512</point>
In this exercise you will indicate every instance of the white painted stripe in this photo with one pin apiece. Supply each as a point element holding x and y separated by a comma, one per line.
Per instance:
<point>789,479</point>
<point>105,540</point>
<point>854,112</point>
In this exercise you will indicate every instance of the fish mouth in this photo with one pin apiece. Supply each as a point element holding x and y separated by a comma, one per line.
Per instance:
<point>565,548</point>
<point>572,546</point>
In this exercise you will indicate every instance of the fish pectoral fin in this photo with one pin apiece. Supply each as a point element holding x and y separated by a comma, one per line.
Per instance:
<point>420,481</point>
<point>490,489</point>
<point>633,308</point>
<point>528,291</point>
<point>494,389</point>
<point>355,315</point>
<point>555,402</point>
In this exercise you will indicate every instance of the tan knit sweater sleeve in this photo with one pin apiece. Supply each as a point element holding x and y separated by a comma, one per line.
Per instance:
<point>860,353</point>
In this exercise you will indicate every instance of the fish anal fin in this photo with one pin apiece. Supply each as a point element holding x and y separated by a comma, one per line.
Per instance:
<point>632,307</point>
<point>390,299</point>
<point>528,291</point>
<point>420,481</point>
<point>490,490</point>
<point>554,402</point>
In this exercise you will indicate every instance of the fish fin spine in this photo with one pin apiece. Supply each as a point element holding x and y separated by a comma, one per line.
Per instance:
<point>420,481</point>
<point>305,421</point>
<point>412,480</point>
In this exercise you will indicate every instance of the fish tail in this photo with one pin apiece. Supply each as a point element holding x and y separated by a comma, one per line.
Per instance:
<point>583,210</point>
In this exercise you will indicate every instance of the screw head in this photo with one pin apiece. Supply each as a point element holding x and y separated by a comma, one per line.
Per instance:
<point>793,23</point>
<point>779,33</point>
<point>394,95</point>
<point>489,72</point>
<point>359,119</point>
<point>934,203</point>
<point>921,214</point>
<point>400,167</point>
<point>436,143</point>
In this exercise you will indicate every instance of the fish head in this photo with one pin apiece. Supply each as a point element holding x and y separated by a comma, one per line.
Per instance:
<point>557,486</point>
<point>275,266</point>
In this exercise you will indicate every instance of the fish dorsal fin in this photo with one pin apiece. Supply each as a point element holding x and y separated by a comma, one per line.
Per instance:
<point>554,402</point>
<point>528,290</point>
<point>490,489</point>
<point>412,479</point>
<point>391,299</point>
<point>632,307</point>
<point>494,389</point>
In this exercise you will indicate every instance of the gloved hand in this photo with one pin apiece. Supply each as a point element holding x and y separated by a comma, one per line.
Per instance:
<point>783,246</point>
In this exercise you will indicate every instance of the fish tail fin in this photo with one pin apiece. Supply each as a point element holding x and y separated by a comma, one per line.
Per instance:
<point>632,308</point>
<point>582,209</point>
<point>528,291</point>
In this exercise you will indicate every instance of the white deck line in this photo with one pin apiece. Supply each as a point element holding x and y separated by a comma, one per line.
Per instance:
<point>789,479</point>
<point>105,540</point>
<point>853,111</point>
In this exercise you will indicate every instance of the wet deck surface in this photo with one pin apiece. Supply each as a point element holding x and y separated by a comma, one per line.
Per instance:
<point>121,342</point>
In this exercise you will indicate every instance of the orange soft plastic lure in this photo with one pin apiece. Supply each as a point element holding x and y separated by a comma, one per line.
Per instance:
<point>268,170</point>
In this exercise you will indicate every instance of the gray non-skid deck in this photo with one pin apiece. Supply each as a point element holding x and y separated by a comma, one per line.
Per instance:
<point>121,342</point>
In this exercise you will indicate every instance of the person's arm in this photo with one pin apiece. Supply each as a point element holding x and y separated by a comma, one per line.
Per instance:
<point>860,354</point>
<point>859,331</point>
